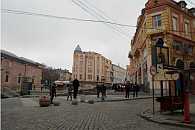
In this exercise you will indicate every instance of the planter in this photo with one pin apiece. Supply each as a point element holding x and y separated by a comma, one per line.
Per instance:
<point>56,103</point>
<point>44,101</point>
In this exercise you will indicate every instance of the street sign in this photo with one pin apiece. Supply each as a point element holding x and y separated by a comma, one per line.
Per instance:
<point>175,76</point>
<point>152,70</point>
<point>159,68</point>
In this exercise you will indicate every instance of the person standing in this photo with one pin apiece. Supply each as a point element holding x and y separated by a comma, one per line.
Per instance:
<point>70,91</point>
<point>103,90</point>
<point>76,85</point>
<point>98,87</point>
<point>134,89</point>
<point>127,89</point>
<point>52,92</point>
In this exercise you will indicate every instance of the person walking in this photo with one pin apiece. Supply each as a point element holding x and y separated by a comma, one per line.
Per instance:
<point>76,85</point>
<point>52,92</point>
<point>70,91</point>
<point>134,88</point>
<point>127,89</point>
<point>103,90</point>
<point>98,87</point>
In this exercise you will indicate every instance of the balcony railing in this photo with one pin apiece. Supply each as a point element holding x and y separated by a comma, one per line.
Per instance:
<point>155,30</point>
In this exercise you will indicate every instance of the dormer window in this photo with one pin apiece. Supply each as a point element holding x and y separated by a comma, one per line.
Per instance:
<point>192,11</point>
<point>182,4</point>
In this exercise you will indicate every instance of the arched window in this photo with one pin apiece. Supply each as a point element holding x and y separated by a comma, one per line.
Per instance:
<point>6,76</point>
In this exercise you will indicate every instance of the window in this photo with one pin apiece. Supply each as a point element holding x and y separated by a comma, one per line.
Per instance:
<point>157,21</point>
<point>188,48</point>
<point>33,80</point>
<point>177,45</point>
<point>19,78</point>
<point>90,77</point>
<point>186,27</point>
<point>6,77</point>
<point>80,76</point>
<point>174,23</point>
<point>89,63</point>
<point>89,70</point>
<point>194,23</point>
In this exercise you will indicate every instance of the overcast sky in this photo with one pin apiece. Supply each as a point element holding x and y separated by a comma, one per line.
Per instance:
<point>52,41</point>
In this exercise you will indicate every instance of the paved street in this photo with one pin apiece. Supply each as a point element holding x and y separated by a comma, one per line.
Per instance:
<point>25,114</point>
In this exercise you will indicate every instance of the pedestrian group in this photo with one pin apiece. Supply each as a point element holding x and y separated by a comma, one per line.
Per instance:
<point>100,88</point>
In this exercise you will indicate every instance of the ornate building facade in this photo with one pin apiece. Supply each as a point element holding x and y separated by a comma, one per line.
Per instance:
<point>170,21</point>
<point>90,67</point>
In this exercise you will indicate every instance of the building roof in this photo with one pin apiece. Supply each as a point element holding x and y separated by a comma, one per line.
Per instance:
<point>118,66</point>
<point>78,49</point>
<point>7,54</point>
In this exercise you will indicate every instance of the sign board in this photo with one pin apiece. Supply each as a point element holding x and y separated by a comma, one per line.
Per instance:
<point>175,76</point>
<point>160,68</point>
<point>153,70</point>
<point>165,77</point>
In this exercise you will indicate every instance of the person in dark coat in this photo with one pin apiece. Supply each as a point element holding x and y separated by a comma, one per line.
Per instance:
<point>70,91</point>
<point>52,92</point>
<point>127,89</point>
<point>98,87</point>
<point>103,90</point>
<point>136,90</point>
<point>76,85</point>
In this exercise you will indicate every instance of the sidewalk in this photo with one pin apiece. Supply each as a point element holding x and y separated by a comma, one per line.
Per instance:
<point>168,118</point>
<point>111,96</point>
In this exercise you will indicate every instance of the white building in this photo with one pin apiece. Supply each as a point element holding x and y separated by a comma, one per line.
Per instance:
<point>119,74</point>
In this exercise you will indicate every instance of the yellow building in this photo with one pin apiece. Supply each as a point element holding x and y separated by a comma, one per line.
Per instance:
<point>88,67</point>
<point>174,24</point>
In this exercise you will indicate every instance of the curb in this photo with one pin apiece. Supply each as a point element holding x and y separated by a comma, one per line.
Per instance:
<point>165,122</point>
<point>98,101</point>
<point>118,100</point>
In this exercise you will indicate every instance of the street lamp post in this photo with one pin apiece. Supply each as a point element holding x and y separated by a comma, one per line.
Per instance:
<point>186,83</point>
<point>161,58</point>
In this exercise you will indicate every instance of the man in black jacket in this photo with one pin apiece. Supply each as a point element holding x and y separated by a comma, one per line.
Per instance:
<point>127,89</point>
<point>52,92</point>
<point>75,87</point>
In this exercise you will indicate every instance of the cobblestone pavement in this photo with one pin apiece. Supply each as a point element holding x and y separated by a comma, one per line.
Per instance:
<point>25,114</point>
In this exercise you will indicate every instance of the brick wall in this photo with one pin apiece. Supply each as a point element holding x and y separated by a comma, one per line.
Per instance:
<point>14,69</point>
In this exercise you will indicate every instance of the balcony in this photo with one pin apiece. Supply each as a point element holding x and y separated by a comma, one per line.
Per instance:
<point>153,31</point>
